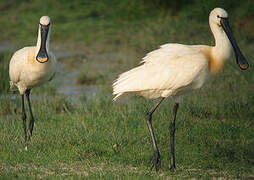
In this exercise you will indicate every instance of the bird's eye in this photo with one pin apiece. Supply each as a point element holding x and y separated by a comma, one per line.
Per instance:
<point>218,16</point>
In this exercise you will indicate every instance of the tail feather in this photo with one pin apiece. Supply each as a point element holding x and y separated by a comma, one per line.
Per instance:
<point>128,82</point>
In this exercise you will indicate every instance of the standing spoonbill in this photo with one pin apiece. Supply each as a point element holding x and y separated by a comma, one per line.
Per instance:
<point>30,67</point>
<point>175,69</point>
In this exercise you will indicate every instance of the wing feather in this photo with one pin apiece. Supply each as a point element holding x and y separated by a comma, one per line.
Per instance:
<point>17,63</point>
<point>163,72</point>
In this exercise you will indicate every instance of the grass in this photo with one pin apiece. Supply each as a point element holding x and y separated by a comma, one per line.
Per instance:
<point>106,21</point>
<point>102,139</point>
<point>95,138</point>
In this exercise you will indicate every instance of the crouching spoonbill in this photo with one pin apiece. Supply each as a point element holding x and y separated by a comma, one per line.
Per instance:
<point>30,67</point>
<point>175,69</point>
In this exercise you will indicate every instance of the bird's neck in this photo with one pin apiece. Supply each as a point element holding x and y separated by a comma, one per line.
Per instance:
<point>221,51</point>
<point>38,45</point>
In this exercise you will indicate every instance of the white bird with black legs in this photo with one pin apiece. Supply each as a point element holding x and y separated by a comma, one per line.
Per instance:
<point>32,66</point>
<point>176,69</point>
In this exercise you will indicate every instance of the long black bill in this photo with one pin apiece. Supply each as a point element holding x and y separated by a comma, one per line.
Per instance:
<point>240,59</point>
<point>42,55</point>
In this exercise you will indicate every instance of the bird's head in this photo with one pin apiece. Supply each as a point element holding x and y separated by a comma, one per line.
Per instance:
<point>44,27</point>
<point>219,17</point>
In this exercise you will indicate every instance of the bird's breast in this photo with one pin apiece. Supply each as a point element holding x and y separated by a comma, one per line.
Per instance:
<point>216,63</point>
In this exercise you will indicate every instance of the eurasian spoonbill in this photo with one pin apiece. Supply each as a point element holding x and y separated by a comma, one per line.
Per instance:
<point>175,69</point>
<point>32,66</point>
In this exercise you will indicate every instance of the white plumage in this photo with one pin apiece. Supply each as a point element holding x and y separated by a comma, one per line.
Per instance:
<point>168,71</point>
<point>176,69</point>
<point>25,71</point>
<point>32,66</point>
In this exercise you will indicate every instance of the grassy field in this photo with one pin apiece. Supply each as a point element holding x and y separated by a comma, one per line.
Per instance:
<point>94,138</point>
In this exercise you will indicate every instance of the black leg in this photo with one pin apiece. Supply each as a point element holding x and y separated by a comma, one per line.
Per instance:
<point>24,117</point>
<point>31,123</point>
<point>156,162</point>
<point>172,137</point>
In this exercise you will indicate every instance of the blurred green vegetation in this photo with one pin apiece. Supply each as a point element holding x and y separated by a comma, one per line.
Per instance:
<point>101,139</point>
<point>108,21</point>
<point>4,75</point>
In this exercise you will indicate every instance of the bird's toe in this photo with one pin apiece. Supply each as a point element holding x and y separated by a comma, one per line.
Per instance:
<point>155,161</point>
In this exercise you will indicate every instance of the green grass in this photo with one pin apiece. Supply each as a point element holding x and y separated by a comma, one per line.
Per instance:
<point>95,138</point>
<point>107,22</point>
<point>102,139</point>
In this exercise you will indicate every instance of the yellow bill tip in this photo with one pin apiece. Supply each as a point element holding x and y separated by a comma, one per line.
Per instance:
<point>42,59</point>
<point>244,66</point>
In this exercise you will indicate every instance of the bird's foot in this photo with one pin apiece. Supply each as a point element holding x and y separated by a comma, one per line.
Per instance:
<point>172,167</point>
<point>156,161</point>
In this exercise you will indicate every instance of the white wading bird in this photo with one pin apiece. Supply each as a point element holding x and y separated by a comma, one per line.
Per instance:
<point>32,66</point>
<point>176,69</point>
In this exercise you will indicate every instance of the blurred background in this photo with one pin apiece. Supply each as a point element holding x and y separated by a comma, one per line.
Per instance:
<point>94,41</point>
